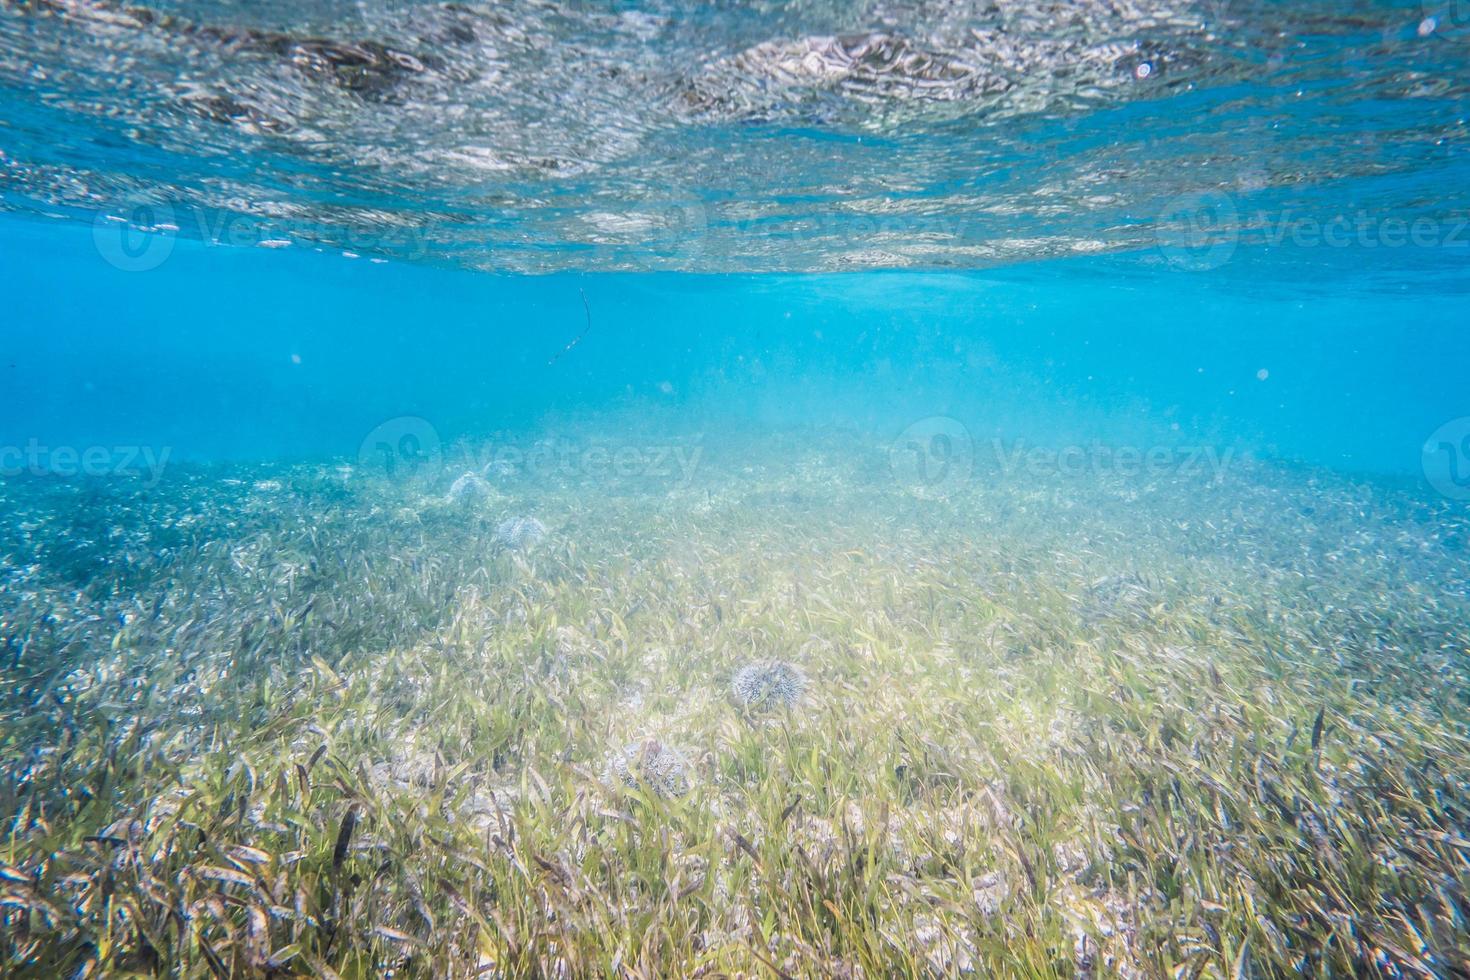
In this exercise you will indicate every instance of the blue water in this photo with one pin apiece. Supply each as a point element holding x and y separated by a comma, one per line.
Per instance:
<point>257,231</point>
<point>254,354</point>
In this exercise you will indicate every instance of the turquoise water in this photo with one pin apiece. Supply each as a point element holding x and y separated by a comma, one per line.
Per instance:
<point>1349,360</point>
<point>256,232</point>
<point>232,353</point>
<point>734,489</point>
<point>1098,222</point>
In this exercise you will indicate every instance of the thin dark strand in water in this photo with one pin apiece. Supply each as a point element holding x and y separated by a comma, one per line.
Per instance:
<point>578,339</point>
<point>344,837</point>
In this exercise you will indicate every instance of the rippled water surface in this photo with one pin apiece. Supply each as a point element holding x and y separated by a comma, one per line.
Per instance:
<point>734,136</point>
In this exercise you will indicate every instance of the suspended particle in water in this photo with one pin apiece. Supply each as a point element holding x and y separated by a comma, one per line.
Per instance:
<point>1262,374</point>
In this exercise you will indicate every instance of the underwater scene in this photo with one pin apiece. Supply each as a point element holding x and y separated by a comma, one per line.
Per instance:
<point>743,489</point>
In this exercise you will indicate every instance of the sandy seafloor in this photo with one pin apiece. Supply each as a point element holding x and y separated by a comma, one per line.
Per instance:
<point>319,719</point>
